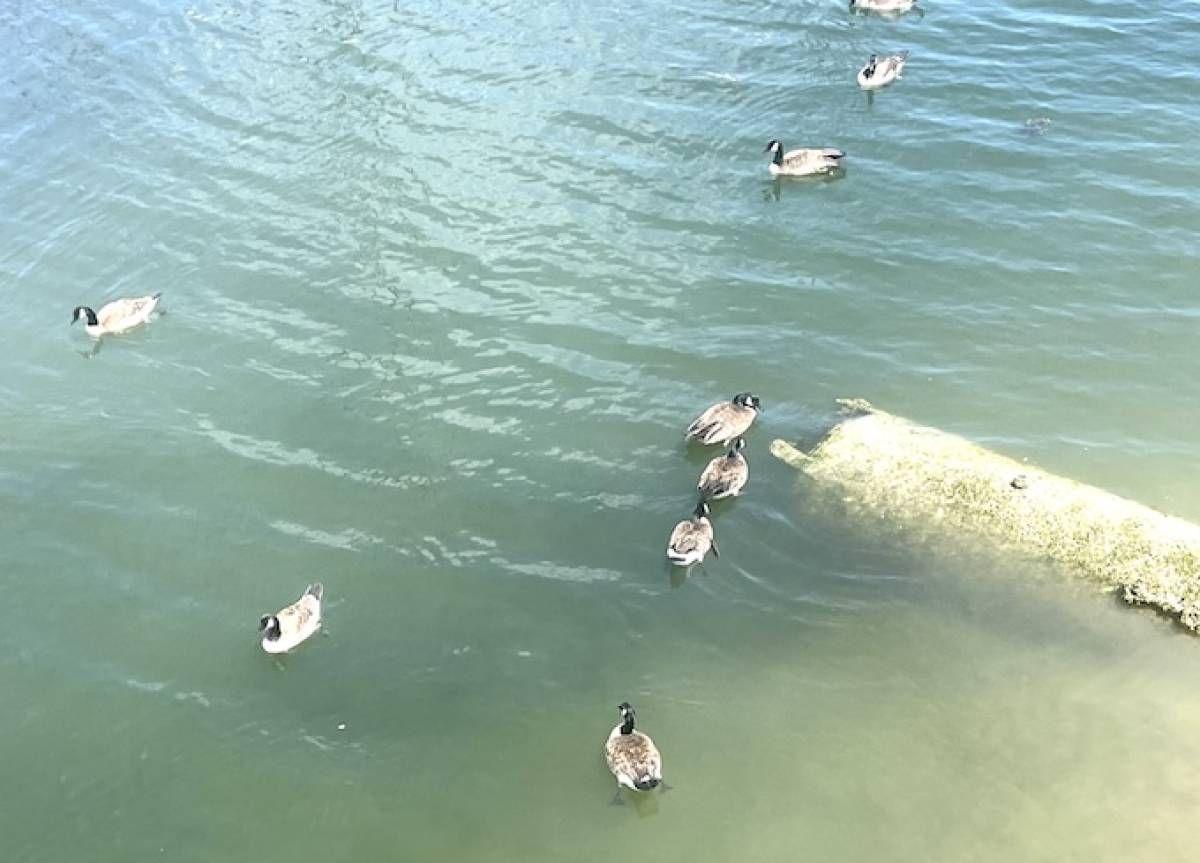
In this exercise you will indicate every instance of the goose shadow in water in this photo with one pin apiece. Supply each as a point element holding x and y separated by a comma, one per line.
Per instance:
<point>773,191</point>
<point>677,576</point>
<point>91,352</point>
<point>279,661</point>
<point>644,803</point>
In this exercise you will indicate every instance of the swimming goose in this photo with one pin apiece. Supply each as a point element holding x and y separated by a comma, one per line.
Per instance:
<point>884,6</point>
<point>724,421</point>
<point>692,538</point>
<point>292,625</point>
<point>802,162</point>
<point>117,316</point>
<point>881,71</point>
<point>726,475</point>
<point>631,755</point>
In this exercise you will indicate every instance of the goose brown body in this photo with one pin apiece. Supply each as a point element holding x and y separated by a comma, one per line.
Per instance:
<point>724,421</point>
<point>119,316</point>
<point>291,626</point>
<point>803,162</point>
<point>631,755</point>
<point>692,538</point>
<point>726,475</point>
<point>881,71</point>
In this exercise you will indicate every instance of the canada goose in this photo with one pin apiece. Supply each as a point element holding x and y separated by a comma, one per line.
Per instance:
<point>726,475</point>
<point>692,538</point>
<point>887,7</point>
<point>803,162</point>
<point>117,316</point>
<point>292,625</point>
<point>724,421</point>
<point>631,755</point>
<point>881,71</point>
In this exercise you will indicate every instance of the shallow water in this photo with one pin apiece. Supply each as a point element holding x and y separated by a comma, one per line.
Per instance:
<point>444,283</point>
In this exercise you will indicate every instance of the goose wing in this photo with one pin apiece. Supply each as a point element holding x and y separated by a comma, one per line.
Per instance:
<point>707,421</point>
<point>811,155</point>
<point>126,311</point>
<point>893,65</point>
<point>724,476</point>
<point>720,423</point>
<point>301,618</point>
<point>691,537</point>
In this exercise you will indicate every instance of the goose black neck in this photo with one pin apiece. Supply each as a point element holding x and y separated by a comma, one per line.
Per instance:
<point>777,158</point>
<point>627,724</point>
<point>271,629</point>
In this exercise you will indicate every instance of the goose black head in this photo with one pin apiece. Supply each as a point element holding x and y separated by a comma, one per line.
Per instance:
<point>86,313</point>
<point>627,717</point>
<point>737,446</point>
<point>772,146</point>
<point>701,510</point>
<point>869,70</point>
<point>268,625</point>
<point>747,400</point>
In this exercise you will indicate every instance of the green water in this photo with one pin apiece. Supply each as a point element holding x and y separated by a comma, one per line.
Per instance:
<point>444,284</point>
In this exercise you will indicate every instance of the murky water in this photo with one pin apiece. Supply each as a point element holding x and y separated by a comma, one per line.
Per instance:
<point>444,283</point>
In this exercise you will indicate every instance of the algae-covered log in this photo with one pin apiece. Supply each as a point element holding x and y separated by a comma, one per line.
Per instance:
<point>917,476</point>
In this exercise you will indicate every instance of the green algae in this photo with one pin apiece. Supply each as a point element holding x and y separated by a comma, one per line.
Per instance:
<point>917,476</point>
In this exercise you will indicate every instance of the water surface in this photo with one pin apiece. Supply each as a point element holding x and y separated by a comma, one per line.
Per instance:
<point>444,282</point>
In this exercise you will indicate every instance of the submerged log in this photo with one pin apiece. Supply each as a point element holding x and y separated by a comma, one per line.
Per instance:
<point>916,476</point>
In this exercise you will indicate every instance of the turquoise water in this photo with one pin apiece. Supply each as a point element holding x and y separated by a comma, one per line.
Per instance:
<point>444,283</point>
